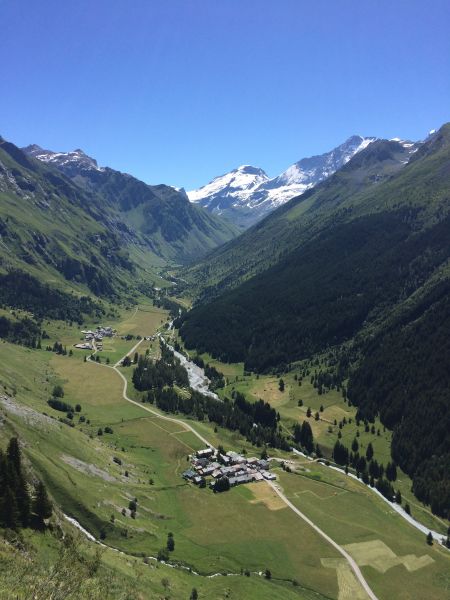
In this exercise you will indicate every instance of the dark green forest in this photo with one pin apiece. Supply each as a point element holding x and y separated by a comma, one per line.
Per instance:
<point>21,290</point>
<point>404,378</point>
<point>321,295</point>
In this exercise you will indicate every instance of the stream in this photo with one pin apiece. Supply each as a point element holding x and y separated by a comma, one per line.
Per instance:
<point>197,378</point>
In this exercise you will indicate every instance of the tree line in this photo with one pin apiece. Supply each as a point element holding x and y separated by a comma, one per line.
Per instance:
<point>23,331</point>
<point>21,290</point>
<point>404,378</point>
<point>257,421</point>
<point>155,375</point>
<point>18,507</point>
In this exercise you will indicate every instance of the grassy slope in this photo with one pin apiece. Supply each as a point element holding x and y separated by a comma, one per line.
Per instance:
<point>227,532</point>
<point>335,408</point>
<point>222,532</point>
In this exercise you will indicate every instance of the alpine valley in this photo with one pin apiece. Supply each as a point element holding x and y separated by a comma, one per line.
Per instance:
<point>239,392</point>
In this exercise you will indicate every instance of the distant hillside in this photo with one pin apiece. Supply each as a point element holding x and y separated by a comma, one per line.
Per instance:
<point>336,200</point>
<point>156,216</point>
<point>363,261</point>
<point>52,229</point>
<point>98,233</point>
<point>359,244</point>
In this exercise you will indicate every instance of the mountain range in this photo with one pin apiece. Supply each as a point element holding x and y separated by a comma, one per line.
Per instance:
<point>247,194</point>
<point>159,216</point>
<point>356,270</point>
<point>65,221</point>
<point>348,280</point>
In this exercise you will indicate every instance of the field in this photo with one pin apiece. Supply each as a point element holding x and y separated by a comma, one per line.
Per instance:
<point>325,431</point>
<point>213,533</point>
<point>393,556</point>
<point>94,477</point>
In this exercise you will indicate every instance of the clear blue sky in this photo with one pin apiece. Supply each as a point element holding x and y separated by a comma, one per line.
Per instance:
<point>178,91</point>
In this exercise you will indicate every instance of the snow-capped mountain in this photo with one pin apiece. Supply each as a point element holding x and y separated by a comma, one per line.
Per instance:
<point>71,163</point>
<point>245,195</point>
<point>232,189</point>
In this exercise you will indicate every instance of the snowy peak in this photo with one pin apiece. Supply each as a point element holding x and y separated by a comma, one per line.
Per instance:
<point>247,194</point>
<point>70,162</point>
<point>312,170</point>
<point>231,187</point>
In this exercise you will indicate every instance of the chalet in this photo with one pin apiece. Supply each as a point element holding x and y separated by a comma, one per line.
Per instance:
<point>225,459</point>
<point>241,479</point>
<point>209,470</point>
<point>189,474</point>
<point>235,458</point>
<point>205,453</point>
<point>200,463</point>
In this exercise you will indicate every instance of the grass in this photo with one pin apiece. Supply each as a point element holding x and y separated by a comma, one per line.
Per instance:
<point>324,430</point>
<point>118,576</point>
<point>351,514</point>
<point>246,528</point>
<point>213,533</point>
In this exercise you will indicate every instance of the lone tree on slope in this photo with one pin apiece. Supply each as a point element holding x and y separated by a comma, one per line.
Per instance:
<point>42,507</point>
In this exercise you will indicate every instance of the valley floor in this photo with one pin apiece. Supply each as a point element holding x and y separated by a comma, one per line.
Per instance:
<point>93,478</point>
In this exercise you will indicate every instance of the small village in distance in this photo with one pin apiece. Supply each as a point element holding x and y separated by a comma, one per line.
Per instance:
<point>225,470</point>
<point>92,338</point>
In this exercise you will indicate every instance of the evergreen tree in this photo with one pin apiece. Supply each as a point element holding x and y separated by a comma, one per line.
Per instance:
<point>429,539</point>
<point>222,484</point>
<point>340,453</point>
<point>306,437</point>
<point>9,512</point>
<point>23,500</point>
<point>13,455</point>
<point>391,472</point>
<point>170,542</point>
<point>42,506</point>
<point>369,451</point>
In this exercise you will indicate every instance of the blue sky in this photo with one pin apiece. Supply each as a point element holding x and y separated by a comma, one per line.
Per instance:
<point>178,91</point>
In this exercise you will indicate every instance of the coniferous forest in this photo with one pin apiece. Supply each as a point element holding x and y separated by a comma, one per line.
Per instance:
<point>405,378</point>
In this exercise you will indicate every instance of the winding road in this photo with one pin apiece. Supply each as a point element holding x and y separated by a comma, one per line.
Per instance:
<point>356,570</point>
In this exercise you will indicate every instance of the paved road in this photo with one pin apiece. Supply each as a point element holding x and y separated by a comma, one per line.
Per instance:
<point>154,412</point>
<point>356,570</point>
<point>274,486</point>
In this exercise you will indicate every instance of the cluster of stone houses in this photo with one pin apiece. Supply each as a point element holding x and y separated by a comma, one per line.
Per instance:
<point>97,336</point>
<point>208,463</point>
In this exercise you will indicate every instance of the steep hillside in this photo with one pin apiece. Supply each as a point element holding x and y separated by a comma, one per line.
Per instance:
<point>53,230</point>
<point>331,262</point>
<point>157,216</point>
<point>246,195</point>
<point>332,201</point>
<point>370,270</point>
